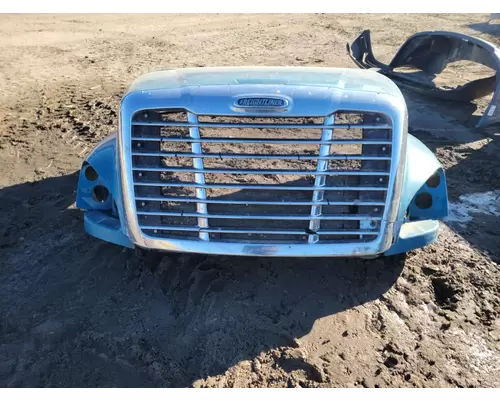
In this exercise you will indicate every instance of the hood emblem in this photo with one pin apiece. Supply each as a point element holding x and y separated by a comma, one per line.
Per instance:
<point>261,102</point>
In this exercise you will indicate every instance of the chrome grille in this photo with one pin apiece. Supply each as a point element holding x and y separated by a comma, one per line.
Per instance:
<point>261,179</point>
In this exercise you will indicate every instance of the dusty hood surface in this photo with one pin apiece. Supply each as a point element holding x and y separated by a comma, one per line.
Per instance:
<point>338,78</point>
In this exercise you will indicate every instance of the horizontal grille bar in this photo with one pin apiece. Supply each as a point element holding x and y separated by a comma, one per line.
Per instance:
<point>259,140</point>
<point>261,171</point>
<point>259,187</point>
<point>209,179</point>
<point>341,217</point>
<point>247,156</point>
<point>262,203</point>
<point>260,126</point>
<point>251,231</point>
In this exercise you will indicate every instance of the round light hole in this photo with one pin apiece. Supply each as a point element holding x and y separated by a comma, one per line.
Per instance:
<point>423,200</point>
<point>91,174</point>
<point>100,193</point>
<point>434,180</point>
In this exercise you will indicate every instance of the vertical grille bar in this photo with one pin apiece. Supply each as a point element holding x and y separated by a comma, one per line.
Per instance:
<point>373,134</point>
<point>320,180</point>
<point>201,208</point>
<point>165,167</point>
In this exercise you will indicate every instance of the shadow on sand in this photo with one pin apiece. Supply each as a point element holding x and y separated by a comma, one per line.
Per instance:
<point>220,309</point>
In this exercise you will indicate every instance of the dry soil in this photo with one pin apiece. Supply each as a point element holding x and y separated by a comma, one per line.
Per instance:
<point>76,311</point>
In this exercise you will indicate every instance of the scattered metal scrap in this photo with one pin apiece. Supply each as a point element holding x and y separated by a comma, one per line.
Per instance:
<point>430,53</point>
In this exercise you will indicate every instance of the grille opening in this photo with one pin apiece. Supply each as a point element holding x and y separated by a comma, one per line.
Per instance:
<point>149,205</point>
<point>161,131</point>
<point>269,164</point>
<point>301,181</point>
<point>174,220</point>
<point>176,147</point>
<point>264,224</point>
<point>179,116</point>
<point>243,209</point>
<point>279,156</point>
<point>153,220</point>
<point>166,234</point>
<point>354,117</point>
<point>262,133</point>
<point>281,197</point>
<point>249,237</point>
<point>260,193</point>
<point>170,115</point>
<point>259,120</point>
<point>174,131</point>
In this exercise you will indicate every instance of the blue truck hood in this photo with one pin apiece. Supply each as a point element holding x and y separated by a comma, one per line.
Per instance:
<point>338,78</point>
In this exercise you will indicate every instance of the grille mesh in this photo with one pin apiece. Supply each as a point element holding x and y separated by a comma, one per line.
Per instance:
<point>293,180</point>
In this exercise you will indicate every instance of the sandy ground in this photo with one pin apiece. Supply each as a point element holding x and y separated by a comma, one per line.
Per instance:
<point>75,311</point>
